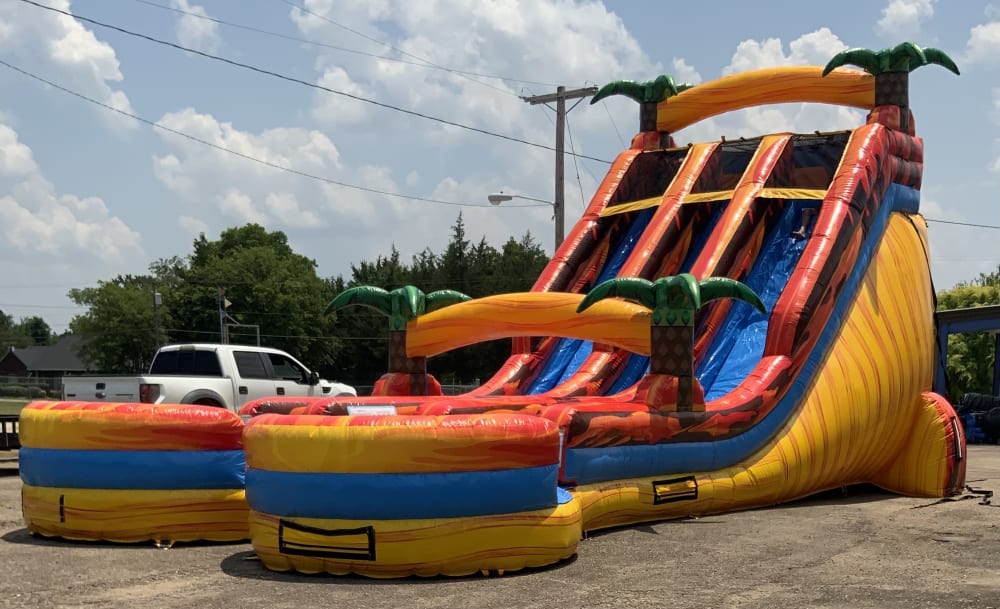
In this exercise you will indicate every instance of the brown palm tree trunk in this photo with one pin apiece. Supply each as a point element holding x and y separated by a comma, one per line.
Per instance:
<point>893,89</point>
<point>416,367</point>
<point>647,116</point>
<point>672,353</point>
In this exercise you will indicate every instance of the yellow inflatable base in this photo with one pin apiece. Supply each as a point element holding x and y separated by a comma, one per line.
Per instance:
<point>128,516</point>
<point>426,547</point>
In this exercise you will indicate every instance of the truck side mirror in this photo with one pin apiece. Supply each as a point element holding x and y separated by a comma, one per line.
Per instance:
<point>314,378</point>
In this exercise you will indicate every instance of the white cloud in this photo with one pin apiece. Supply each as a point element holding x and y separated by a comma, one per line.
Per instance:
<point>284,205</point>
<point>901,19</point>
<point>240,207</point>
<point>552,41</point>
<point>983,45</point>
<point>241,190</point>
<point>333,109</point>
<point>35,219</point>
<point>61,48</point>
<point>194,32</point>
<point>191,225</point>
<point>814,48</point>
<point>15,158</point>
<point>682,72</point>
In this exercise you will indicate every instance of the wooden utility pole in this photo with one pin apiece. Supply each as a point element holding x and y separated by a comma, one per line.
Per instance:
<point>560,97</point>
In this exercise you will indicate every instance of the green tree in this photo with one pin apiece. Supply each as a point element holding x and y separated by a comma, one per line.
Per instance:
<point>478,270</point>
<point>970,356</point>
<point>37,329</point>
<point>268,284</point>
<point>118,325</point>
<point>12,334</point>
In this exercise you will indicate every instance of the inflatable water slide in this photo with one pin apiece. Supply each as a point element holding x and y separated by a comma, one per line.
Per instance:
<point>729,325</point>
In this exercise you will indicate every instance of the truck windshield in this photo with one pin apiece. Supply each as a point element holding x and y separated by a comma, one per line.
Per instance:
<point>186,363</point>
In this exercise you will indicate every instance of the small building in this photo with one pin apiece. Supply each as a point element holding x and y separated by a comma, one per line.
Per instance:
<point>48,361</point>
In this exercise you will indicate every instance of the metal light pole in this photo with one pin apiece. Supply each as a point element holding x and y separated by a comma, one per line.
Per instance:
<point>497,198</point>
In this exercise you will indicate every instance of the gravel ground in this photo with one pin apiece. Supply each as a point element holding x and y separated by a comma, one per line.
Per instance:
<point>852,549</point>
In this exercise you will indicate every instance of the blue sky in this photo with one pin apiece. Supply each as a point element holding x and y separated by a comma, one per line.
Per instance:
<point>86,194</point>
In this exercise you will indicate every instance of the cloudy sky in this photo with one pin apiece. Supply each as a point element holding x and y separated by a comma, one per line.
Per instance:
<point>87,193</point>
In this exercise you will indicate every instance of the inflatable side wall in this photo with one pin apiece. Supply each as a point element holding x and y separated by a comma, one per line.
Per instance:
<point>396,495</point>
<point>132,472</point>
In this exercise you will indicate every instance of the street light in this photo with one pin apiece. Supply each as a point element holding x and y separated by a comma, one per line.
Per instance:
<point>497,198</point>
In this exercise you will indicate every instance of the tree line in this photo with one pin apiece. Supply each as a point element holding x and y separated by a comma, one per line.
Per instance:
<point>278,290</point>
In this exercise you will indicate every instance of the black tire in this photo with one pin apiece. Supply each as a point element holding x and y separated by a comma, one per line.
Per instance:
<point>207,402</point>
<point>990,423</point>
<point>978,402</point>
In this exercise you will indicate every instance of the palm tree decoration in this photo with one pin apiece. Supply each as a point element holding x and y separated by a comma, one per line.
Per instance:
<point>674,301</point>
<point>648,94</point>
<point>401,306</point>
<point>891,69</point>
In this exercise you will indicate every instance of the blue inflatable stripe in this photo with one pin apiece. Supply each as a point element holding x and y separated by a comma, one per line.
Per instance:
<point>638,365</point>
<point>402,496</point>
<point>132,469</point>
<point>739,344</point>
<point>587,465</point>
<point>572,352</point>
<point>563,496</point>
<point>635,368</point>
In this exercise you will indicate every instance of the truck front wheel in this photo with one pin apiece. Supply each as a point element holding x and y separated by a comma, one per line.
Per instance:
<point>207,402</point>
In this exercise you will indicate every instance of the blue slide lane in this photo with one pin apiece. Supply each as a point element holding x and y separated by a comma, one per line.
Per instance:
<point>402,496</point>
<point>638,365</point>
<point>739,344</point>
<point>587,465</point>
<point>571,352</point>
<point>132,469</point>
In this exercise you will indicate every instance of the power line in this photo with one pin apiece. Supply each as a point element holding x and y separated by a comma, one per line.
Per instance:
<point>247,156</point>
<point>299,80</point>
<point>425,62</point>
<point>579,182</point>
<point>420,64</point>
<point>973,225</point>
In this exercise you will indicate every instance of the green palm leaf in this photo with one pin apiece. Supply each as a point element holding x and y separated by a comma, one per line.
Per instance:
<point>865,59</point>
<point>628,88</point>
<point>443,298</point>
<point>677,300</point>
<point>904,57</point>
<point>365,296</point>
<point>632,288</point>
<point>723,287</point>
<point>651,91</point>
<point>939,57</point>
<point>401,305</point>
<point>407,303</point>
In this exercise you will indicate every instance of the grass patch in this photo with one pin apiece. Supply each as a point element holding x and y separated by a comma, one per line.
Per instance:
<point>12,406</point>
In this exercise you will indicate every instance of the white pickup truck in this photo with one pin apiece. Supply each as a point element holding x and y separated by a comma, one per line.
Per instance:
<point>216,375</point>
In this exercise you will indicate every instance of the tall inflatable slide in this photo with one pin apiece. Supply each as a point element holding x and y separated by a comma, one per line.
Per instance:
<point>729,325</point>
